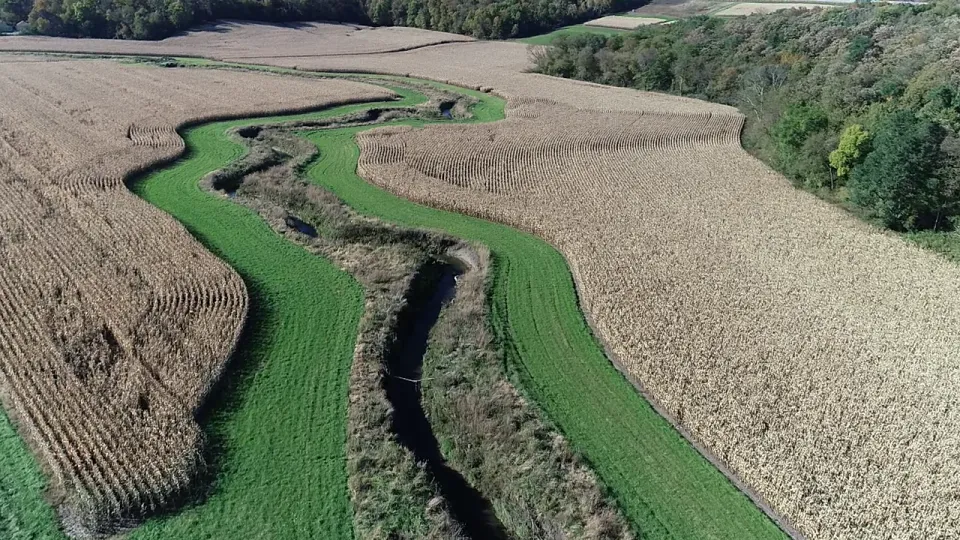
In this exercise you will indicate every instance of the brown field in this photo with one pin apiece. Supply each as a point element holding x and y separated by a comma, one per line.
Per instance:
<point>751,8</point>
<point>623,23</point>
<point>114,322</point>
<point>232,39</point>
<point>693,8</point>
<point>813,355</point>
<point>817,366</point>
<point>9,58</point>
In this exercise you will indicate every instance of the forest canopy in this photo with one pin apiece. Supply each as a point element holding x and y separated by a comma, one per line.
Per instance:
<point>155,19</point>
<point>860,104</point>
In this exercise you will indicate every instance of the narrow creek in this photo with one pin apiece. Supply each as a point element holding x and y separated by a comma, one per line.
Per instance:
<point>446,109</point>
<point>434,286</point>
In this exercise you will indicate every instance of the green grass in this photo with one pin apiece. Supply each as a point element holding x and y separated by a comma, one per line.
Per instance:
<point>548,39</point>
<point>24,515</point>
<point>280,428</point>
<point>946,244</point>
<point>281,433</point>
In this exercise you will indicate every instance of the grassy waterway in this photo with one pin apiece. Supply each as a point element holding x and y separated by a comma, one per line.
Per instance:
<point>280,421</point>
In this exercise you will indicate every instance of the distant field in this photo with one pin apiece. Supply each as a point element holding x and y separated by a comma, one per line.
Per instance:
<point>604,26</point>
<point>547,39</point>
<point>691,8</point>
<point>238,39</point>
<point>622,22</point>
<point>752,8</point>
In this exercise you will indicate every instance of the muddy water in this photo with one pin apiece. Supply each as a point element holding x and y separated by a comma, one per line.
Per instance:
<point>433,287</point>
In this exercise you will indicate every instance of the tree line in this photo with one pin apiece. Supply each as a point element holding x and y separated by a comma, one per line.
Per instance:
<point>155,19</point>
<point>860,104</point>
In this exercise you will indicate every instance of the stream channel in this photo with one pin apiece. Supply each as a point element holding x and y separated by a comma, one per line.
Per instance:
<point>434,286</point>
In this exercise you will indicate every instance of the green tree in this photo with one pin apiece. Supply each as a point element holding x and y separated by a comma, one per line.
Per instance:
<point>654,69</point>
<point>858,48</point>
<point>851,149</point>
<point>797,124</point>
<point>14,11</point>
<point>943,106</point>
<point>802,160</point>
<point>897,182</point>
<point>587,66</point>
<point>179,13</point>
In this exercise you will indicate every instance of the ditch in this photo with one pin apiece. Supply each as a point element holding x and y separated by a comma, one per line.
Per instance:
<point>432,288</point>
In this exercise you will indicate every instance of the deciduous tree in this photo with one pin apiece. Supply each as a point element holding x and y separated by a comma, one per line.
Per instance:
<point>897,181</point>
<point>850,151</point>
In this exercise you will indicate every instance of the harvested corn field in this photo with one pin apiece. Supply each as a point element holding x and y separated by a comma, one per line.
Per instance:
<point>500,67</point>
<point>236,39</point>
<point>115,322</point>
<point>623,23</point>
<point>783,351</point>
<point>752,8</point>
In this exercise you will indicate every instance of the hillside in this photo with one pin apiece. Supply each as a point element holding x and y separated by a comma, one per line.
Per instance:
<point>859,104</point>
<point>156,19</point>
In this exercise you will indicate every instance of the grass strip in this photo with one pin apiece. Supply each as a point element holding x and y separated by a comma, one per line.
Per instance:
<point>280,424</point>
<point>24,515</point>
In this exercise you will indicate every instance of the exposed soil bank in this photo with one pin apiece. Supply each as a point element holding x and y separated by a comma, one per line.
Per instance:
<point>432,287</point>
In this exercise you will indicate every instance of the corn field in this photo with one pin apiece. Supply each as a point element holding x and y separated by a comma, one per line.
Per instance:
<point>812,355</point>
<point>114,322</point>
<point>238,40</point>
<point>622,22</point>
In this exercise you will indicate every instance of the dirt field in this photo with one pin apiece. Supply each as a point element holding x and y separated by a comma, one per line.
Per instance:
<point>623,23</point>
<point>816,366</point>
<point>114,322</point>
